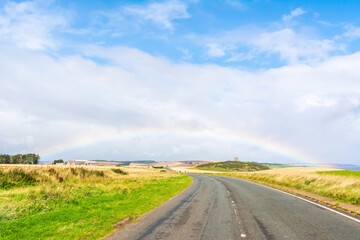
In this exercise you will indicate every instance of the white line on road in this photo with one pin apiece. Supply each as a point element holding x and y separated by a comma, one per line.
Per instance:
<point>242,234</point>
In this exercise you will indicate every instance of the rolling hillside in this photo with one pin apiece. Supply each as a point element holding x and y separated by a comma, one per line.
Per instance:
<point>228,166</point>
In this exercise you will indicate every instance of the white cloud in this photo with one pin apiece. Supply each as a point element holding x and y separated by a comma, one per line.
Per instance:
<point>290,46</point>
<point>238,57</point>
<point>215,50</point>
<point>352,32</point>
<point>294,13</point>
<point>313,101</point>
<point>293,47</point>
<point>161,13</point>
<point>186,54</point>
<point>236,4</point>
<point>29,25</point>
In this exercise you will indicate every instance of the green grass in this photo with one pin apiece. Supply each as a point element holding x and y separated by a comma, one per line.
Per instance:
<point>276,165</point>
<point>231,166</point>
<point>119,171</point>
<point>16,178</point>
<point>81,206</point>
<point>347,173</point>
<point>159,167</point>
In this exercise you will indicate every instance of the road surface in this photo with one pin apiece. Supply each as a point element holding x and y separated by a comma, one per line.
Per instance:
<point>220,208</point>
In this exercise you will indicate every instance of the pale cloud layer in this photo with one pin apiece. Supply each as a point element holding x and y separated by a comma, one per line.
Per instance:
<point>48,101</point>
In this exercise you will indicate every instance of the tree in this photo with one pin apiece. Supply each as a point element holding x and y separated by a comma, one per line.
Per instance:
<point>17,159</point>
<point>30,157</point>
<point>7,158</point>
<point>58,161</point>
<point>36,158</point>
<point>23,159</point>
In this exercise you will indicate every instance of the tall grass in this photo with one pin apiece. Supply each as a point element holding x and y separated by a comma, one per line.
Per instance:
<point>16,178</point>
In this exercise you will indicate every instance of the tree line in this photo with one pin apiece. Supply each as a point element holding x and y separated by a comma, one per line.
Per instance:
<point>30,158</point>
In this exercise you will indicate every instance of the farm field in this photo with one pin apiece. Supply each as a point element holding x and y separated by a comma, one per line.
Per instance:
<point>346,173</point>
<point>58,202</point>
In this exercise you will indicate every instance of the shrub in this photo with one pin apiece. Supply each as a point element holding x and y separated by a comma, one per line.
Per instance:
<point>73,171</point>
<point>119,171</point>
<point>52,171</point>
<point>86,173</point>
<point>17,178</point>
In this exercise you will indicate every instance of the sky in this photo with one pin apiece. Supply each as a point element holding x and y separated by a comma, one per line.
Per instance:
<point>262,80</point>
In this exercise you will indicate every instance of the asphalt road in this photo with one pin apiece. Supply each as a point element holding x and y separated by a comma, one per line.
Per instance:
<point>216,207</point>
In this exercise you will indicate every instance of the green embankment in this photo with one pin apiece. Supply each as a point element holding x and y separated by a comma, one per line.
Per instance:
<point>78,204</point>
<point>231,166</point>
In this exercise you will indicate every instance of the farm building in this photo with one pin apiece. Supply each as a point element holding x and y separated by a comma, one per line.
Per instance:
<point>79,162</point>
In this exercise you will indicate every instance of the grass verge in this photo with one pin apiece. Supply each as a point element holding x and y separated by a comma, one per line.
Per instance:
<point>80,203</point>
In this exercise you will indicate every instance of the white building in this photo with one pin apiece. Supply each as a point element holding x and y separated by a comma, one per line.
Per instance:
<point>79,162</point>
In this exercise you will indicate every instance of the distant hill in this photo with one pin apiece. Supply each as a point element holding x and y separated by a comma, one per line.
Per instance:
<point>233,166</point>
<point>280,165</point>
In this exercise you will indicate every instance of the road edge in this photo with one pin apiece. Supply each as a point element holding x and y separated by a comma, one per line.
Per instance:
<point>123,223</point>
<point>331,207</point>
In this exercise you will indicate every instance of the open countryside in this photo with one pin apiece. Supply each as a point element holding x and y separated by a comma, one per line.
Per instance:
<point>75,200</point>
<point>179,120</point>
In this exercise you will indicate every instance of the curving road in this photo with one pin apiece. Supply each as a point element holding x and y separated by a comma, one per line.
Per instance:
<point>216,207</point>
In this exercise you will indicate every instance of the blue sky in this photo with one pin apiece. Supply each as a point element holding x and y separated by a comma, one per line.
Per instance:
<point>277,81</point>
<point>220,32</point>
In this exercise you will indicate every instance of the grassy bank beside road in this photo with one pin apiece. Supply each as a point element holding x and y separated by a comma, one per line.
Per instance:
<point>78,203</point>
<point>342,186</point>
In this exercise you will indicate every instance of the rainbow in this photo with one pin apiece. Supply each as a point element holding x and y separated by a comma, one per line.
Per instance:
<point>243,138</point>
